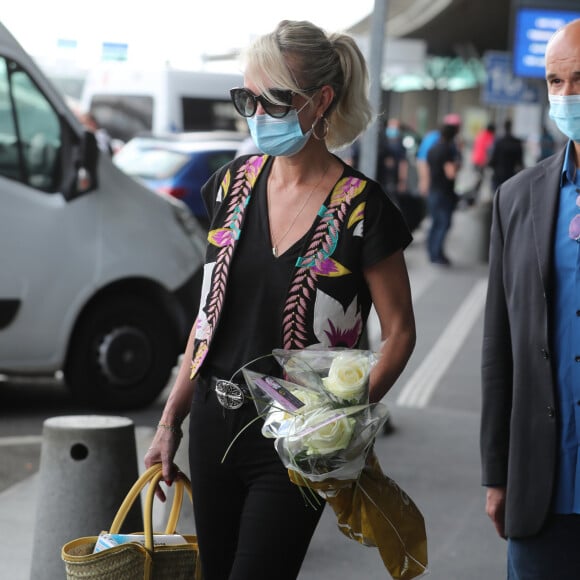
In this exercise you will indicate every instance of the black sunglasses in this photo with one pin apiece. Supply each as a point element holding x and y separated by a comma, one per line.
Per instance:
<point>246,102</point>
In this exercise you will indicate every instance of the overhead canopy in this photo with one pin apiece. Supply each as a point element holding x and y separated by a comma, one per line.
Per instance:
<point>465,28</point>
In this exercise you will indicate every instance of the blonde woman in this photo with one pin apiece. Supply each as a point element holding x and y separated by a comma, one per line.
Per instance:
<point>300,246</point>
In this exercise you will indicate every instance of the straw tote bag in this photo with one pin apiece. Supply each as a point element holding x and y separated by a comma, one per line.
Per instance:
<point>133,561</point>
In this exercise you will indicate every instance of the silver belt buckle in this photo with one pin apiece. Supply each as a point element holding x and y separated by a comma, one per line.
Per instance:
<point>229,395</point>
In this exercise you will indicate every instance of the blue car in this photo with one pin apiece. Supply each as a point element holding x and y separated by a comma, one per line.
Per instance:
<point>179,164</point>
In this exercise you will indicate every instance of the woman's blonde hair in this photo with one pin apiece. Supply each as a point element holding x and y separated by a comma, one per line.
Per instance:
<point>300,57</point>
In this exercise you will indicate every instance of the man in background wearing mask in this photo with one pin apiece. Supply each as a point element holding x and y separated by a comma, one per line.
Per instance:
<point>394,159</point>
<point>530,424</point>
<point>453,121</point>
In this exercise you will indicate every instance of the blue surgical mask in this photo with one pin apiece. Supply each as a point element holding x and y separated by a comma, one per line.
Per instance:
<point>565,112</point>
<point>279,137</point>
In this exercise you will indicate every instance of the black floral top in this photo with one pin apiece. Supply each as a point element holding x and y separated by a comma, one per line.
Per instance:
<point>325,300</point>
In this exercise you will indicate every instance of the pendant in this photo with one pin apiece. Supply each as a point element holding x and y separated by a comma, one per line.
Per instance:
<point>275,251</point>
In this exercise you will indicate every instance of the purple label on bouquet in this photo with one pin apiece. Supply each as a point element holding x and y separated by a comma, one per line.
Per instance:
<point>271,387</point>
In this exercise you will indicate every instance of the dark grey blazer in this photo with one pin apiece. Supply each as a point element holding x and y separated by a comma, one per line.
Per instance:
<point>519,421</point>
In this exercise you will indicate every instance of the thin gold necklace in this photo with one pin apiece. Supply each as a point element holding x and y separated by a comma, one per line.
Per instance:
<point>275,243</point>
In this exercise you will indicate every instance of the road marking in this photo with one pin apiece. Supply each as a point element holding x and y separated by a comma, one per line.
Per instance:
<point>421,385</point>
<point>419,284</point>
<point>22,440</point>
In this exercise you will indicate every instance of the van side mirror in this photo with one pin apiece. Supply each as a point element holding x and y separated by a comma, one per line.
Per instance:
<point>86,177</point>
<point>82,174</point>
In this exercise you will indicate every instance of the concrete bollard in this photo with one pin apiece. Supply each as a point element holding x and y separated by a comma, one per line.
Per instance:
<point>87,466</point>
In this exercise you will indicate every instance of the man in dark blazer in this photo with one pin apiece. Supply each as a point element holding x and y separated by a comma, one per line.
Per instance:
<point>530,424</point>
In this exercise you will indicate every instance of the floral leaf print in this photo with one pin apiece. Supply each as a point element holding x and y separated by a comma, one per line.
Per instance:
<point>347,189</point>
<point>357,215</point>
<point>201,325</point>
<point>221,237</point>
<point>330,267</point>
<point>335,326</point>
<point>224,187</point>
<point>198,358</point>
<point>237,196</point>
<point>317,261</point>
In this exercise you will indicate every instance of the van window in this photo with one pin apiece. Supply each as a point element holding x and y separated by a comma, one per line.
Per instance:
<point>123,116</point>
<point>30,139</point>
<point>207,115</point>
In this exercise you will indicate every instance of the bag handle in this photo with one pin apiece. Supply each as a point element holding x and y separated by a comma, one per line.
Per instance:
<point>152,477</point>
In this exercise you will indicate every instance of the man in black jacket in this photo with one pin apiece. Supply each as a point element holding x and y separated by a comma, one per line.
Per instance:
<point>530,424</point>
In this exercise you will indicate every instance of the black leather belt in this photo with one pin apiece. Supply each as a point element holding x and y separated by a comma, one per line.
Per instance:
<point>230,395</point>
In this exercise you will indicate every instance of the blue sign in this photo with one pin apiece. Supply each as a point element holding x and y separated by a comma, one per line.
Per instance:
<point>114,51</point>
<point>66,43</point>
<point>533,29</point>
<point>501,86</point>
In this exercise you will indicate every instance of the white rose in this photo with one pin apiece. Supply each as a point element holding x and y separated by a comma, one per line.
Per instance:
<point>279,422</point>
<point>347,377</point>
<point>332,433</point>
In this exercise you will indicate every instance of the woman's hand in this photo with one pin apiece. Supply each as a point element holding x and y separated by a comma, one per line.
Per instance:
<point>168,435</point>
<point>163,449</point>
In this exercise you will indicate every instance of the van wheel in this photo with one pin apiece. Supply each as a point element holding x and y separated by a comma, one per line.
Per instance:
<point>121,354</point>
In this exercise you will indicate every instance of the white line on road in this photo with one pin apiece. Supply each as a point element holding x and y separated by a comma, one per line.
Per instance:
<point>419,388</point>
<point>22,440</point>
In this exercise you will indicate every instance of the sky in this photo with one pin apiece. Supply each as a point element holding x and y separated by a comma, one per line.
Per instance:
<point>177,31</point>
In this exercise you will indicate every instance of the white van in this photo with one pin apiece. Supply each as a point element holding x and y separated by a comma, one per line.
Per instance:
<point>127,101</point>
<point>99,276</point>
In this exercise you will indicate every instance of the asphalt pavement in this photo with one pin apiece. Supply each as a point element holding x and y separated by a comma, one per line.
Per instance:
<point>432,453</point>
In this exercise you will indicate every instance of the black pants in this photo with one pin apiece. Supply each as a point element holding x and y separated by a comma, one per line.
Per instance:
<point>252,522</point>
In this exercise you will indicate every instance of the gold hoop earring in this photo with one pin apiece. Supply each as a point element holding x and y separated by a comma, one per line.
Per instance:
<point>325,125</point>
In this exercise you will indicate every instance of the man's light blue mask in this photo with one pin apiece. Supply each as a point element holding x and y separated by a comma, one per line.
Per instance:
<point>565,112</point>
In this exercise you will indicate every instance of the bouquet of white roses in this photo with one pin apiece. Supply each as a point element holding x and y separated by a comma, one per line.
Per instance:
<point>324,429</point>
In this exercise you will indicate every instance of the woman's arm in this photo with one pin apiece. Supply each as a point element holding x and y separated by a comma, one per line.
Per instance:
<point>388,282</point>
<point>168,435</point>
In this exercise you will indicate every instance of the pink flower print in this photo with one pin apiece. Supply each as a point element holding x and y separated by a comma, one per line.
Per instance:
<point>221,237</point>
<point>347,337</point>
<point>329,267</point>
<point>333,325</point>
<point>346,189</point>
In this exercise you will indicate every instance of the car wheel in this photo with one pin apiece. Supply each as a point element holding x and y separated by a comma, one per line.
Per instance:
<point>121,354</point>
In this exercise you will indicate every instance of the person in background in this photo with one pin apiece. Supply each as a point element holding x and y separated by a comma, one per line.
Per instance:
<point>394,159</point>
<point>530,427</point>
<point>300,246</point>
<point>507,156</point>
<point>103,138</point>
<point>451,120</point>
<point>442,199</point>
<point>480,156</point>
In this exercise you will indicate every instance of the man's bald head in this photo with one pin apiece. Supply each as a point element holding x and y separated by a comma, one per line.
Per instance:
<point>567,34</point>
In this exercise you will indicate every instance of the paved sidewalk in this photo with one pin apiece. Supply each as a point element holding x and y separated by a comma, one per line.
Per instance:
<point>17,519</point>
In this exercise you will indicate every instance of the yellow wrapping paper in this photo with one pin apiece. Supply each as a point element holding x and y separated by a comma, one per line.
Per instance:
<point>375,511</point>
